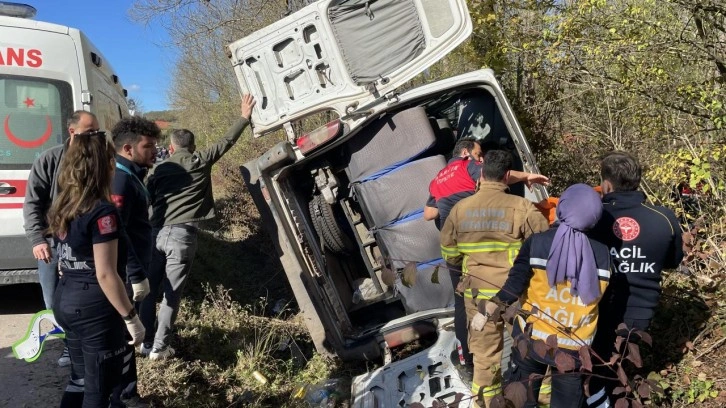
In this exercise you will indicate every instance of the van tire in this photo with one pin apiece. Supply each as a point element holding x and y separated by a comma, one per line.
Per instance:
<point>326,225</point>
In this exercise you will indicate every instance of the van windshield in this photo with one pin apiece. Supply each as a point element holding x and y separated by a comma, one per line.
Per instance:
<point>32,111</point>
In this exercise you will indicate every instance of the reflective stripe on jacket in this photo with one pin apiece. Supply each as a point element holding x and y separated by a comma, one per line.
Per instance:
<point>483,234</point>
<point>558,309</point>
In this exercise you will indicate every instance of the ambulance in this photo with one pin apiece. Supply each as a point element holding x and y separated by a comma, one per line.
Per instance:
<point>47,71</point>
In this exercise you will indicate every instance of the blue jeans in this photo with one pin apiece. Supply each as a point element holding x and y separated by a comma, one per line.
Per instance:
<point>48,277</point>
<point>171,263</point>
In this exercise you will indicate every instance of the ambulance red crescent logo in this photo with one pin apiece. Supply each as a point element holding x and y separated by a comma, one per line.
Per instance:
<point>626,228</point>
<point>107,224</point>
<point>29,144</point>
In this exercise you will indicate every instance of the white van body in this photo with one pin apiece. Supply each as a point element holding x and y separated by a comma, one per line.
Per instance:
<point>47,71</point>
<point>343,203</point>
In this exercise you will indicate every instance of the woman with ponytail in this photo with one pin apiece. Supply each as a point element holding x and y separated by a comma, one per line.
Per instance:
<point>90,302</point>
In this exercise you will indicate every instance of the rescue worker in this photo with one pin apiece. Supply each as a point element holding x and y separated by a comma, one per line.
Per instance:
<point>41,191</point>
<point>134,139</point>
<point>459,178</point>
<point>564,271</point>
<point>643,240</point>
<point>90,301</point>
<point>481,236</point>
<point>454,182</point>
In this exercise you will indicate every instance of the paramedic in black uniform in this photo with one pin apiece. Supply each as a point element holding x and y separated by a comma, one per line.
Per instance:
<point>643,239</point>
<point>90,302</point>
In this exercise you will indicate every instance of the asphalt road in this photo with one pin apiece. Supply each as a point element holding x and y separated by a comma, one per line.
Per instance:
<point>22,384</point>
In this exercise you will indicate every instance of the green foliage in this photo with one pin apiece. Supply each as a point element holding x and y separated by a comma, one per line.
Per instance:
<point>699,390</point>
<point>167,115</point>
<point>624,74</point>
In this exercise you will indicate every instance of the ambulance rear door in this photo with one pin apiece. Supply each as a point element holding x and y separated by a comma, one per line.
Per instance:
<point>40,86</point>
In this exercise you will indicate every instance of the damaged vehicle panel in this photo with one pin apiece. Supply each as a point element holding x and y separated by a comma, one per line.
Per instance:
<point>343,203</point>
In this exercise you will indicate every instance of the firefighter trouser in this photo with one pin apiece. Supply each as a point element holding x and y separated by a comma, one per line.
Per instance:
<point>95,334</point>
<point>486,346</point>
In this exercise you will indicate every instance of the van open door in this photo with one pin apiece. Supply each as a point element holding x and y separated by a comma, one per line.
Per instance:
<point>343,54</point>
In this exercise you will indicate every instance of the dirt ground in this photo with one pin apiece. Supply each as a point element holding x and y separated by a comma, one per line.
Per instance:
<point>37,384</point>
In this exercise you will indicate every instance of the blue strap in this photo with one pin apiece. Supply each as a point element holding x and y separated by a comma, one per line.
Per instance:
<point>130,173</point>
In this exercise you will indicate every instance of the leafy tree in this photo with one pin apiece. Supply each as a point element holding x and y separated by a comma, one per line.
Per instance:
<point>586,76</point>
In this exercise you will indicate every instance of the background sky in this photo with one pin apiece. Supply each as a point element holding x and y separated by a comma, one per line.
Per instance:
<point>139,55</point>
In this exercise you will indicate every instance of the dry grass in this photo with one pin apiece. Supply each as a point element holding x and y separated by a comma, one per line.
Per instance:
<point>226,328</point>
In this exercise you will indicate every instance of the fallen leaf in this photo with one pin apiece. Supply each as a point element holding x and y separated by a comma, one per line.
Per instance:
<point>408,277</point>
<point>435,275</point>
<point>388,277</point>
<point>696,363</point>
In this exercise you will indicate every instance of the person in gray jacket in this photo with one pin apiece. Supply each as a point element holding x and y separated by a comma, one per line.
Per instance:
<point>181,195</point>
<point>42,189</point>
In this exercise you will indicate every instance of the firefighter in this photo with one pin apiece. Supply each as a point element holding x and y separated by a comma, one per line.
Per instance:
<point>482,234</point>
<point>454,182</point>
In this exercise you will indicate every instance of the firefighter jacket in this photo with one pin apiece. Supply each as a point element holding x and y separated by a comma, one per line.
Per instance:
<point>483,234</point>
<point>556,306</point>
